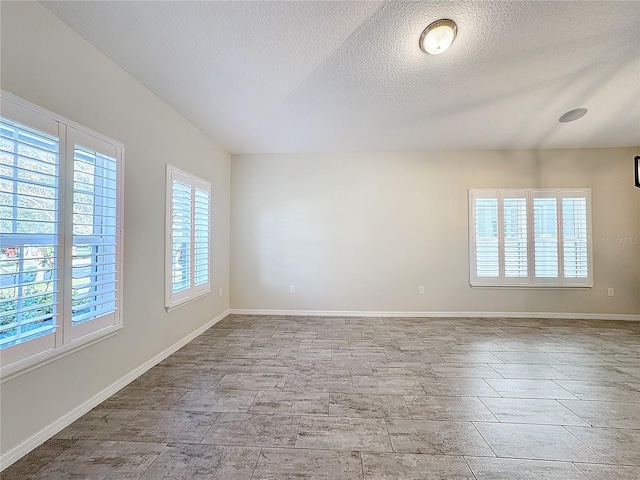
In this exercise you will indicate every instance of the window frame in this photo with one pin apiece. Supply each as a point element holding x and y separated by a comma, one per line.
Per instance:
<point>65,338</point>
<point>93,144</point>
<point>194,291</point>
<point>530,281</point>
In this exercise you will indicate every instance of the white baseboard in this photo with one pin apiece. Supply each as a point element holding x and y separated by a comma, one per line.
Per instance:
<point>20,450</point>
<point>351,313</point>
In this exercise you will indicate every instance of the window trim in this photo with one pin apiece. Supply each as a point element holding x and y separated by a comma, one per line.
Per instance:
<point>61,344</point>
<point>193,292</point>
<point>530,281</point>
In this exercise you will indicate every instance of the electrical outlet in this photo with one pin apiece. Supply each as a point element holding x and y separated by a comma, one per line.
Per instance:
<point>220,292</point>
<point>292,289</point>
<point>420,290</point>
<point>610,292</point>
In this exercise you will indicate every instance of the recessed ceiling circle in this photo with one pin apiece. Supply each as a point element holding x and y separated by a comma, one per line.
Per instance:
<point>438,36</point>
<point>573,115</point>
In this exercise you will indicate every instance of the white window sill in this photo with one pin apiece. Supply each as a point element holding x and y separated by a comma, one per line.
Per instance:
<point>170,308</point>
<point>28,364</point>
<point>529,287</point>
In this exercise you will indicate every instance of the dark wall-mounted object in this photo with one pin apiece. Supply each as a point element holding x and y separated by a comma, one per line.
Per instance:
<point>636,161</point>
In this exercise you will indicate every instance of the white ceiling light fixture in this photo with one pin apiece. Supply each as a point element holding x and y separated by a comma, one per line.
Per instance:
<point>438,36</point>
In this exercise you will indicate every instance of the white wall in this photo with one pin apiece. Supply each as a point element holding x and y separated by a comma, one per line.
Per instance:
<point>360,232</point>
<point>45,62</point>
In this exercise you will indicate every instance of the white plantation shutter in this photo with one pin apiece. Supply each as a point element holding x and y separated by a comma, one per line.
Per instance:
<point>575,237</point>
<point>59,234</point>
<point>515,236</point>
<point>499,237</point>
<point>187,256</point>
<point>29,236</point>
<point>562,231</point>
<point>95,233</point>
<point>181,236</point>
<point>487,256</point>
<point>201,236</point>
<point>545,230</point>
<point>543,240</point>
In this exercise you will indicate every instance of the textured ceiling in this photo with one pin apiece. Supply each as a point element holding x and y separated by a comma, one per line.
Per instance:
<point>320,76</point>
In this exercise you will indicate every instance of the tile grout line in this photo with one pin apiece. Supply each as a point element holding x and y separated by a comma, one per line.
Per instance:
<point>464,457</point>
<point>154,461</point>
<point>605,462</point>
<point>484,439</point>
<point>253,472</point>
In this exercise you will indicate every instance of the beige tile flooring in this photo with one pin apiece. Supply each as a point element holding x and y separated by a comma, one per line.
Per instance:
<point>265,397</point>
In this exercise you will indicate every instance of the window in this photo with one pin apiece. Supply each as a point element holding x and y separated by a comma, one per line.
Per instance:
<point>60,230</point>
<point>530,238</point>
<point>187,238</point>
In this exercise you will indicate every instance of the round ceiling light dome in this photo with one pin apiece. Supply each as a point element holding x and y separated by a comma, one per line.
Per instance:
<point>438,36</point>
<point>573,115</point>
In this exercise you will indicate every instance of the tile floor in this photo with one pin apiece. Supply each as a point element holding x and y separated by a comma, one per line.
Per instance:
<point>263,397</point>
